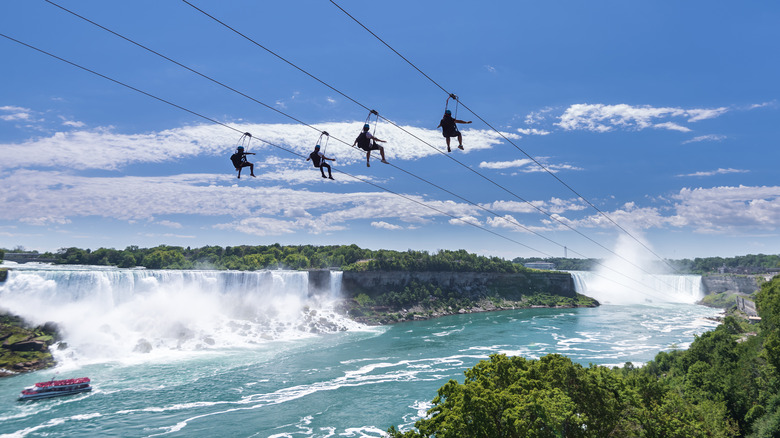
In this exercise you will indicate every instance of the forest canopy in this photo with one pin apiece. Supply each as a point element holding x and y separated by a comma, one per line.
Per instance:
<point>727,384</point>
<point>276,256</point>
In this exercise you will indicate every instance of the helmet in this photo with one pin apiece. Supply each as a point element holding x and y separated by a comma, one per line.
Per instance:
<point>366,127</point>
<point>317,147</point>
<point>448,112</point>
<point>240,148</point>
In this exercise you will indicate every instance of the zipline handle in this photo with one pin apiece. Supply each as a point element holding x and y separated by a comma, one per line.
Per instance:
<point>446,104</point>
<point>368,119</point>
<point>245,139</point>
<point>325,146</point>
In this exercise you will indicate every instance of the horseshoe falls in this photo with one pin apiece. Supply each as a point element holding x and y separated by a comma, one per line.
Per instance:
<point>644,288</point>
<point>268,354</point>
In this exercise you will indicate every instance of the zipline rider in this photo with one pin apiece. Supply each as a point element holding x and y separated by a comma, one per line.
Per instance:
<point>367,142</point>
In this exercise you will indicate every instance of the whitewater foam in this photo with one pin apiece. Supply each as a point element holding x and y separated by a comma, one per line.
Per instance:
<point>121,314</point>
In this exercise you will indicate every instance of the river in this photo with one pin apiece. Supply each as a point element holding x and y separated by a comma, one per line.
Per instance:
<point>207,353</point>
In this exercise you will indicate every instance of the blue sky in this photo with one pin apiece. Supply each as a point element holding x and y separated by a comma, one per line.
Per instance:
<point>662,115</point>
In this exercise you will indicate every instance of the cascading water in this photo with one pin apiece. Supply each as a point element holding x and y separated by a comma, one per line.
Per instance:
<point>645,288</point>
<point>629,279</point>
<point>118,313</point>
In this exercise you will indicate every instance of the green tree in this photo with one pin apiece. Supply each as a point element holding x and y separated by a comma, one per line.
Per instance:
<point>165,259</point>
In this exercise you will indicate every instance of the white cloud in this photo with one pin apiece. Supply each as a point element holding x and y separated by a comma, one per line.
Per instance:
<point>386,226</point>
<point>710,137</point>
<point>44,220</point>
<point>726,209</point>
<point>526,165</point>
<point>73,124</point>
<point>490,68</point>
<point>105,149</point>
<point>16,113</point>
<point>629,216</point>
<point>716,172</point>
<point>763,105</point>
<point>465,221</point>
<point>605,118</point>
<point>533,131</point>
<point>170,224</point>
<point>505,164</point>
<point>704,114</point>
<point>715,210</point>
<point>537,117</point>
<point>506,222</point>
<point>259,206</point>
<point>554,205</point>
<point>671,126</point>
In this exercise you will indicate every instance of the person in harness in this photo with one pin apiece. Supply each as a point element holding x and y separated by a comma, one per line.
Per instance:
<point>450,129</point>
<point>239,161</point>
<point>318,158</point>
<point>367,142</point>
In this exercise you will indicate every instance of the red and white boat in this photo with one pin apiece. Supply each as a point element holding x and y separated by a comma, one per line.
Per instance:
<point>56,388</point>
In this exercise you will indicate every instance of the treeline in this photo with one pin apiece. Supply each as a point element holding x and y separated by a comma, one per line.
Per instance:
<point>276,256</point>
<point>748,264</point>
<point>348,257</point>
<point>727,384</point>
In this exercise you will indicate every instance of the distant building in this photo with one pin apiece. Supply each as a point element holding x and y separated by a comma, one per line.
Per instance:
<point>540,265</point>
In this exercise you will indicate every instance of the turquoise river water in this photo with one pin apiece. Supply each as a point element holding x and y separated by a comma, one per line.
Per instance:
<point>207,353</point>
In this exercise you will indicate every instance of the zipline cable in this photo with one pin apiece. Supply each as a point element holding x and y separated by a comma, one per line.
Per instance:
<point>509,141</point>
<point>536,207</point>
<point>371,112</point>
<point>282,148</point>
<point>515,223</point>
<point>264,141</point>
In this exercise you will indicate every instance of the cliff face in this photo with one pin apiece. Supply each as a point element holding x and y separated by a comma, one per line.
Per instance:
<point>716,284</point>
<point>469,284</point>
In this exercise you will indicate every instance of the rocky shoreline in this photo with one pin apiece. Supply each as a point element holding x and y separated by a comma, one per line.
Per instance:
<point>24,348</point>
<point>383,315</point>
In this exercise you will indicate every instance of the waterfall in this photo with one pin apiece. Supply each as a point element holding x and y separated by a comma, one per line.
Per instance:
<point>335,284</point>
<point>638,288</point>
<point>115,313</point>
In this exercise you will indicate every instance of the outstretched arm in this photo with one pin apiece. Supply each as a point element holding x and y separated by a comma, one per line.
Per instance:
<point>461,121</point>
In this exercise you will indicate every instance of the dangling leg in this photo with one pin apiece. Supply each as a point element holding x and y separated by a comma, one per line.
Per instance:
<point>251,170</point>
<point>330,175</point>
<point>382,153</point>
<point>368,155</point>
<point>322,171</point>
<point>239,171</point>
<point>460,141</point>
<point>448,144</point>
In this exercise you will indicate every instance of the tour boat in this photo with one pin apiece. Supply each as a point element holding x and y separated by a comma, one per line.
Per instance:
<point>56,388</point>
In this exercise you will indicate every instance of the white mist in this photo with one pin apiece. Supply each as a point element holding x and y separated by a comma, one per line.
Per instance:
<point>632,277</point>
